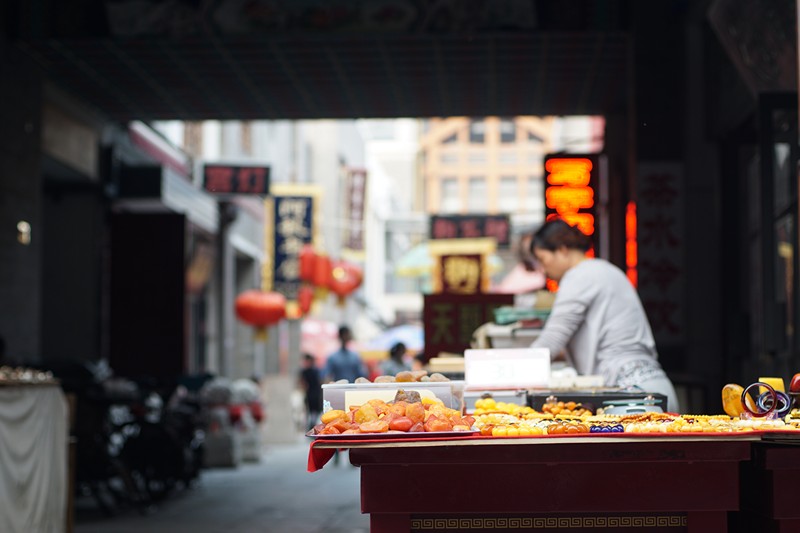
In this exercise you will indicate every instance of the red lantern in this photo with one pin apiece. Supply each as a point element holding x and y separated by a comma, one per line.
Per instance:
<point>305,296</point>
<point>307,258</point>
<point>322,275</point>
<point>260,308</point>
<point>345,278</point>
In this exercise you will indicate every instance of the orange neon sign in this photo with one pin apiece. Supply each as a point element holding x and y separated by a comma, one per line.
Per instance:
<point>571,172</point>
<point>569,193</point>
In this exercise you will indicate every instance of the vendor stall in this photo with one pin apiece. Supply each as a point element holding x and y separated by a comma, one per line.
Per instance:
<point>427,464</point>
<point>643,483</point>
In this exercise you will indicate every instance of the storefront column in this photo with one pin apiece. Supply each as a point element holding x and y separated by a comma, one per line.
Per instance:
<point>20,204</point>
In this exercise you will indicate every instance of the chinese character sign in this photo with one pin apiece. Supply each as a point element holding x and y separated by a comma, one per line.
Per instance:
<point>571,191</point>
<point>461,266</point>
<point>234,179</point>
<point>660,248</point>
<point>462,274</point>
<point>451,319</point>
<point>356,186</point>
<point>472,226</point>
<point>291,223</point>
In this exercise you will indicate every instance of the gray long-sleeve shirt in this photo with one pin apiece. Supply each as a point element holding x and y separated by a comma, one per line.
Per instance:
<point>598,317</point>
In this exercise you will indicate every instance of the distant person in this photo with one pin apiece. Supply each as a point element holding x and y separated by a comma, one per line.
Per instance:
<point>418,362</point>
<point>311,383</point>
<point>345,363</point>
<point>396,362</point>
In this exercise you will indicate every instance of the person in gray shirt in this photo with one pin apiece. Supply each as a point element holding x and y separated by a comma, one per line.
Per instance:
<point>597,316</point>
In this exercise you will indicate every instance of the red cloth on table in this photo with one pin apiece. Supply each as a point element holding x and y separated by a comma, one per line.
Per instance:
<point>319,457</point>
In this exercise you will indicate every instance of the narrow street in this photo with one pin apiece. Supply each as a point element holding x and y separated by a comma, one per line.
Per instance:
<point>276,495</point>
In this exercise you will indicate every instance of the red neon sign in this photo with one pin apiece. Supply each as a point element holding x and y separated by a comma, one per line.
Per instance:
<point>631,246</point>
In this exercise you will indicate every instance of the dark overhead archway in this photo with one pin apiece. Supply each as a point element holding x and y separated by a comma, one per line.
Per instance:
<point>342,59</point>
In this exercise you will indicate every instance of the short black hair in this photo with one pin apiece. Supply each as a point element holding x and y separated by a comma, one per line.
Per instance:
<point>557,233</point>
<point>344,329</point>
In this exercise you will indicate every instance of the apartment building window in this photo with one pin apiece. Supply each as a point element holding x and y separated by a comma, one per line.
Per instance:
<point>477,157</point>
<point>507,194</point>
<point>451,139</point>
<point>477,131</point>
<point>534,139</point>
<point>476,195</point>
<point>508,131</point>
<point>534,199</point>
<point>449,158</point>
<point>450,200</point>
<point>507,157</point>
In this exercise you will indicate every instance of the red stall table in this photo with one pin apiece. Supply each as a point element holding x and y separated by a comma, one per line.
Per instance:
<point>647,482</point>
<point>769,486</point>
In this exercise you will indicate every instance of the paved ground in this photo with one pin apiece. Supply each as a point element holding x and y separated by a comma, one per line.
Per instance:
<point>276,495</point>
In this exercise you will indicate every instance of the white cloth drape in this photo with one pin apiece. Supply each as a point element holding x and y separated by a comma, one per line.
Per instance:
<point>33,459</point>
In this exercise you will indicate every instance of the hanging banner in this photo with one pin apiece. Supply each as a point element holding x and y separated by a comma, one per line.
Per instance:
<point>471,227</point>
<point>355,202</point>
<point>660,247</point>
<point>291,218</point>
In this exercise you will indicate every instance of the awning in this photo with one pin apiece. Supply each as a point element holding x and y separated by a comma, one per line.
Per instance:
<point>418,262</point>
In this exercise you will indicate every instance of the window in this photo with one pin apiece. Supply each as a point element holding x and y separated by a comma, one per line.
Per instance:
<point>534,199</point>
<point>507,194</point>
<point>450,201</point>
<point>448,158</point>
<point>450,140</point>
<point>507,158</point>
<point>534,139</point>
<point>508,131</point>
<point>477,157</point>
<point>476,198</point>
<point>477,131</point>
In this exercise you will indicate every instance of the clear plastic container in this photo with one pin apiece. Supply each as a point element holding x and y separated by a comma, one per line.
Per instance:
<point>345,395</point>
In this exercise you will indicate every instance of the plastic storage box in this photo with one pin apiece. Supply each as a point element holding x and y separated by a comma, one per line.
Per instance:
<point>344,395</point>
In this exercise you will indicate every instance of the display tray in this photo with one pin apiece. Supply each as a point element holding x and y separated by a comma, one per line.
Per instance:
<point>400,435</point>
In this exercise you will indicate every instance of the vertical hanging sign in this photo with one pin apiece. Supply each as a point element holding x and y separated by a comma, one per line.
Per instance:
<point>291,221</point>
<point>355,202</point>
<point>571,191</point>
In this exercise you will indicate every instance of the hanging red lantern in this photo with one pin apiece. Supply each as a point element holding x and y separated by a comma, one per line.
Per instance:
<point>260,308</point>
<point>345,278</point>
<point>305,297</point>
<point>322,275</point>
<point>307,259</point>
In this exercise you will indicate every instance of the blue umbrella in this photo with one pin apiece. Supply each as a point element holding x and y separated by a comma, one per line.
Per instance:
<point>411,335</point>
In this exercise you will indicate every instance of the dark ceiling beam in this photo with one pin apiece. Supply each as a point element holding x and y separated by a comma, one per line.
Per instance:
<point>127,101</point>
<point>400,96</point>
<point>297,81</point>
<point>491,74</point>
<point>441,83</point>
<point>242,76</point>
<point>214,103</point>
<point>591,73</point>
<point>145,76</point>
<point>541,72</point>
<point>344,83</point>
